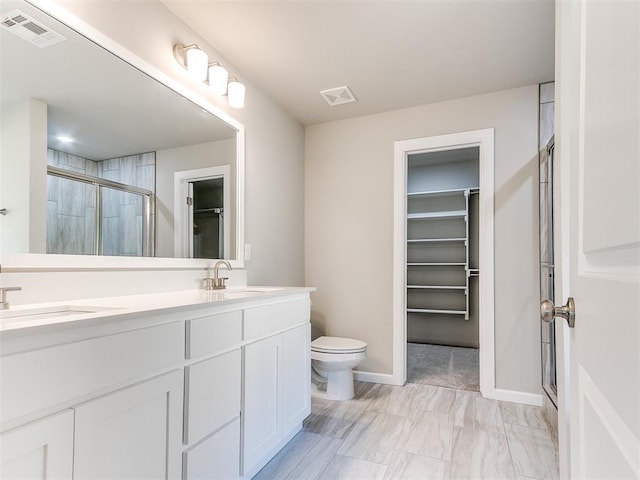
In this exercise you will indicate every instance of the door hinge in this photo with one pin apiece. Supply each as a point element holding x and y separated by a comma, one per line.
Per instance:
<point>190,201</point>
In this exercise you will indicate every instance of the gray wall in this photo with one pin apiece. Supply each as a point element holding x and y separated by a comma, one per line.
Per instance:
<point>349,224</point>
<point>179,159</point>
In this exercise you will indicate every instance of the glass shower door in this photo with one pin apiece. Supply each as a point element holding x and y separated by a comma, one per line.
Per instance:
<point>547,274</point>
<point>88,215</point>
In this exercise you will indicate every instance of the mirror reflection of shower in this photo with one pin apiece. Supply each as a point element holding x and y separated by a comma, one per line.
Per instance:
<point>100,207</point>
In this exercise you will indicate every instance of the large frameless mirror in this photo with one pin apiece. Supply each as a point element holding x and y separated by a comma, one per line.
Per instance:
<point>99,158</point>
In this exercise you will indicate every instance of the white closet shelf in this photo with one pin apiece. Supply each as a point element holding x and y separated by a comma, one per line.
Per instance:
<point>437,215</point>
<point>430,310</point>
<point>435,248</point>
<point>436,264</point>
<point>438,287</point>
<point>438,193</point>
<point>437,240</point>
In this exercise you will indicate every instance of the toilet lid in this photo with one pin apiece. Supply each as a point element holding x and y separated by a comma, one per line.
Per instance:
<point>337,345</point>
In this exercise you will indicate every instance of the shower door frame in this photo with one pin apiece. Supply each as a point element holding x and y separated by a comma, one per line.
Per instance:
<point>148,206</point>
<point>547,273</point>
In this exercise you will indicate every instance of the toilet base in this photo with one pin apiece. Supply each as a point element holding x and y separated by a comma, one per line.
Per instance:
<point>339,386</point>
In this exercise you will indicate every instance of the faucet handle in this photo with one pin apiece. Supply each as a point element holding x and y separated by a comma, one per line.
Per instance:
<point>3,296</point>
<point>10,289</point>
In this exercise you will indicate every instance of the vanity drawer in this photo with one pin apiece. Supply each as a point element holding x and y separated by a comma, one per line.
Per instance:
<point>212,390</point>
<point>214,333</point>
<point>35,380</point>
<point>269,319</point>
<point>218,457</point>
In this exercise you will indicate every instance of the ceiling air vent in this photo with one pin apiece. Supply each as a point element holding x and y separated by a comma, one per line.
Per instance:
<point>338,96</point>
<point>29,29</point>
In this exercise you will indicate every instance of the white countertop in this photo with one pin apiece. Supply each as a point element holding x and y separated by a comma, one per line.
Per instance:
<point>77,311</point>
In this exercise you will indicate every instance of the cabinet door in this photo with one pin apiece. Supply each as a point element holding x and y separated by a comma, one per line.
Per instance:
<point>262,418</point>
<point>42,449</point>
<point>132,433</point>
<point>296,377</point>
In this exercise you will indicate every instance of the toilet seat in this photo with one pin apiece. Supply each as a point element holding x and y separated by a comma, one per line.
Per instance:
<point>338,345</point>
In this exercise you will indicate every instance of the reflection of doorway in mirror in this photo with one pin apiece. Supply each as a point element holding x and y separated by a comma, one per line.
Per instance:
<point>207,218</point>
<point>202,230</point>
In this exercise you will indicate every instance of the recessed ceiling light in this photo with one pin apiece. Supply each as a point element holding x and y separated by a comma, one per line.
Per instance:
<point>65,139</point>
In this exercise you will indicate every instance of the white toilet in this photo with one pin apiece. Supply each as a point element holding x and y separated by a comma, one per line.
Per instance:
<point>332,361</point>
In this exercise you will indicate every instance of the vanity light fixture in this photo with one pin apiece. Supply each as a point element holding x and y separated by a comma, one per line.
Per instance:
<point>236,93</point>
<point>196,61</point>
<point>218,78</point>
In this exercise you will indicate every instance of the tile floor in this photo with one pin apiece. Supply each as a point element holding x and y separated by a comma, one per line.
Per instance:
<point>418,432</point>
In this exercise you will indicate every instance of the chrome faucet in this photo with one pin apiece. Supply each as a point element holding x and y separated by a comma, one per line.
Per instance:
<point>3,296</point>
<point>217,282</point>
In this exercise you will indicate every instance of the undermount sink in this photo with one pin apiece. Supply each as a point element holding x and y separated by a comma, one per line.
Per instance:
<point>262,289</point>
<point>42,313</point>
<point>249,291</point>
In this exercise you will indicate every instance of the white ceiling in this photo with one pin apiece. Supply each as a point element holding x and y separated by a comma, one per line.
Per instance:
<point>392,54</point>
<point>108,106</point>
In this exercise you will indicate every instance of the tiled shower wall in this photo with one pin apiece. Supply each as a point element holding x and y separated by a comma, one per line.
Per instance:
<point>71,225</point>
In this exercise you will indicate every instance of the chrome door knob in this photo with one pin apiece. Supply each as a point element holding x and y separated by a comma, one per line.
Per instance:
<point>548,311</point>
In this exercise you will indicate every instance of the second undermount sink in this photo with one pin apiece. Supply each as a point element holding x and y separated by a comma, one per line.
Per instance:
<point>249,291</point>
<point>20,314</point>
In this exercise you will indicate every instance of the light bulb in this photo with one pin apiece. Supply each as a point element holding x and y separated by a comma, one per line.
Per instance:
<point>236,92</point>
<point>218,78</point>
<point>197,61</point>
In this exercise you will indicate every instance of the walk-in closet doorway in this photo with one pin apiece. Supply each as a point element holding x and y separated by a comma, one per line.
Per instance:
<point>443,261</point>
<point>442,268</point>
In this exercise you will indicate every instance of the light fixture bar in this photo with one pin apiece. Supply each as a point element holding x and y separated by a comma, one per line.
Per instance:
<point>196,61</point>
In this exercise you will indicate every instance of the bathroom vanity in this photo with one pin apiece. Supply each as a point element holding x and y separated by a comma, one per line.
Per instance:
<point>188,385</point>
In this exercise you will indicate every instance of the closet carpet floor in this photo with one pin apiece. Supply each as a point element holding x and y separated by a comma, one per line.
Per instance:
<point>418,432</point>
<point>452,367</point>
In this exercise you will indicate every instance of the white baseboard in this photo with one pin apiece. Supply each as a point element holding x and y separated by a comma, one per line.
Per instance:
<point>493,393</point>
<point>514,396</point>
<point>385,378</point>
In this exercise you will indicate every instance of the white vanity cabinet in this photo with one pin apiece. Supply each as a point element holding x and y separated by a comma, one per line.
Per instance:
<point>212,391</point>
<point>118,388</point>
<point>277,383</point>
<point>39,450</point>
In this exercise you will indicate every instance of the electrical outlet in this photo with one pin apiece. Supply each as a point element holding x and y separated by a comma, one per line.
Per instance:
<point>247,251</point>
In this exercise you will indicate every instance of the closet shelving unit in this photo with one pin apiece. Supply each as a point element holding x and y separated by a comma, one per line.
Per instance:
<point>438,264</point>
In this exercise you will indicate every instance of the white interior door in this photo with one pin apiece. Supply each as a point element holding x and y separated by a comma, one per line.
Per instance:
<point>597,145</point>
